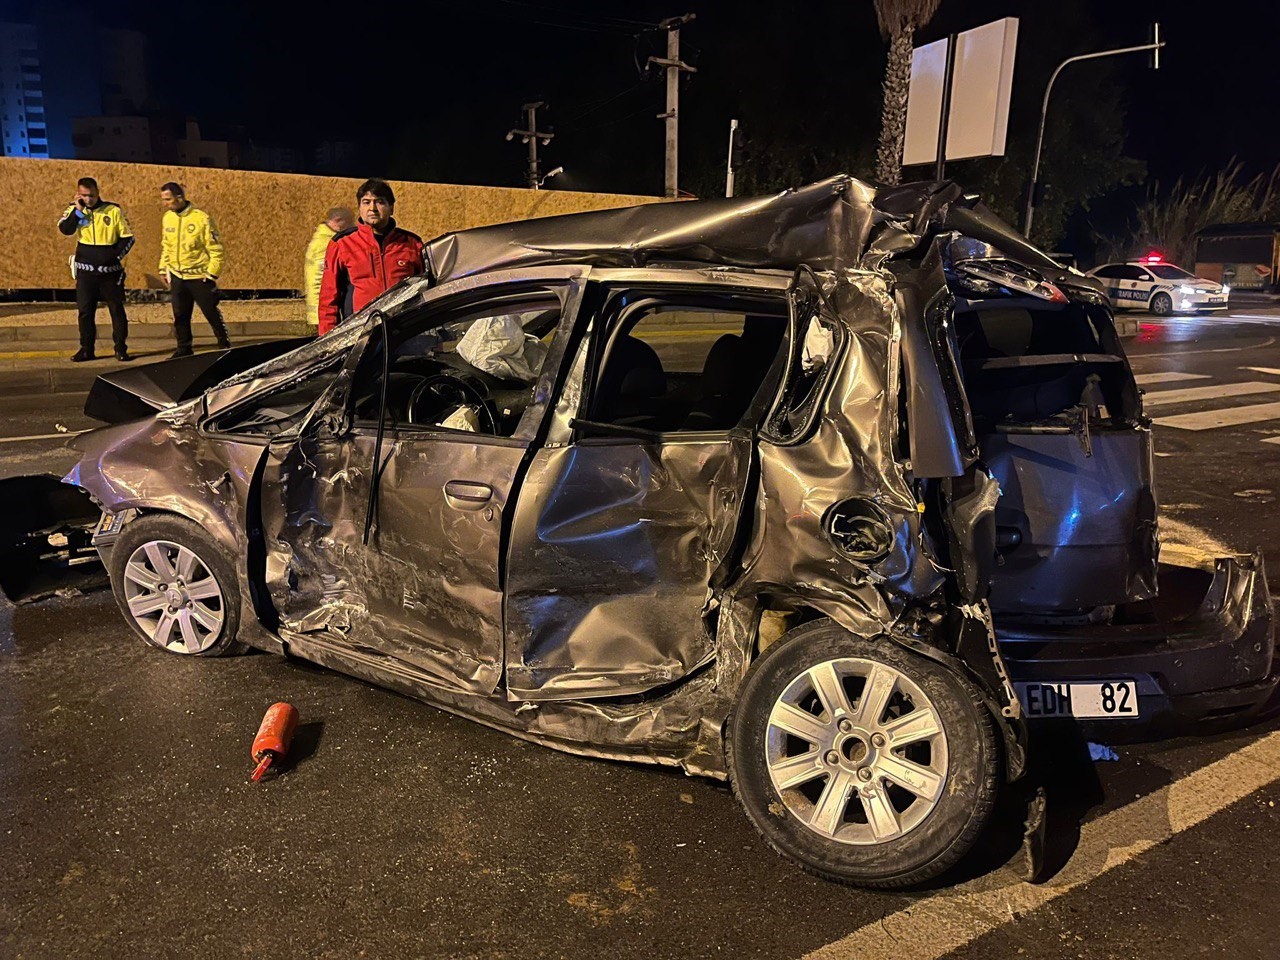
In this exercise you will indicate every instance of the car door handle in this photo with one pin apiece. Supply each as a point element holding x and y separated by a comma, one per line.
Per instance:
<point>467,495</point>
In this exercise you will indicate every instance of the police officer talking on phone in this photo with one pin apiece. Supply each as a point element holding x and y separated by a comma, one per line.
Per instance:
<point>103,238</point>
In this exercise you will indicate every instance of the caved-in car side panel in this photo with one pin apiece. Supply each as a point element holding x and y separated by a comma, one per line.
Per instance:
<point>1076,531</point>
<point>613,550</point>
<point>425,590</point>
<point>166,465</point>
<point>848,456</point>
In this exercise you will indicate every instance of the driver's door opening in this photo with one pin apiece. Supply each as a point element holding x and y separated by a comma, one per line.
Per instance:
<point>473,369</point>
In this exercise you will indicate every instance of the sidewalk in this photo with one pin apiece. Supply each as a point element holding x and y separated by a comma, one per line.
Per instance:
<point>38,339</point>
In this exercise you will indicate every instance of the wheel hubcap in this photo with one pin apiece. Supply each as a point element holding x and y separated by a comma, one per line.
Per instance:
<point>856,751</point>
<point>173,597</point>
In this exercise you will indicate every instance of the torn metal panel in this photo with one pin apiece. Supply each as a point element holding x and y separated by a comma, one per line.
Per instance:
<point>940,427</point>
<point>614,546</point>
<point>680,727</point>
<point>970,510</point>
<point>824,225</point>
<point>168,465</point>
<point>425,590</point>
<point>849,456</point>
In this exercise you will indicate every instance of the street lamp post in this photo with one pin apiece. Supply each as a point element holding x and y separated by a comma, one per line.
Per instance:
<point>1156,45</point>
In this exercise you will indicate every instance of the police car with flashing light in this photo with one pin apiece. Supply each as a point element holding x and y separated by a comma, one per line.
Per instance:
<point>1159,287</point>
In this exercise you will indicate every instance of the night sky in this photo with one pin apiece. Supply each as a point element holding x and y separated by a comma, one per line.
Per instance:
<point>429,88</point>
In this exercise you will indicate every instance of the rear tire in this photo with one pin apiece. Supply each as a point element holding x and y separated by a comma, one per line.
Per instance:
<point>865,763</point>
<point>1162,305</point>
<point>176,587</point>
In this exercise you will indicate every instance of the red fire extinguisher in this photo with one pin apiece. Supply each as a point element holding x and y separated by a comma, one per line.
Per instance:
<point>274,735</point>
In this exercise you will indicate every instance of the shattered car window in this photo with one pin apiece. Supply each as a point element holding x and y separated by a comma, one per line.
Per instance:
<point>808,370</point>
<point>282,410</point>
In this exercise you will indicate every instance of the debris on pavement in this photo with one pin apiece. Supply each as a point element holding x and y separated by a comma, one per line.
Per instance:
<point>274,735</point>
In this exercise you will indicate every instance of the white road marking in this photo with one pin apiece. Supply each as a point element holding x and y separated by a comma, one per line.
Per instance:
<point>1166,354</point>
<point>1230,417</point>
<point>1270,371</point>
<point>43,436</point>
<point>1271,440</point>
<point>1172,376</point>
<point>1156,398</point>
<point>934,926</point>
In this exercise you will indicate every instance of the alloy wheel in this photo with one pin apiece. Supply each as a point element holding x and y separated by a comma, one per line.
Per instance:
<point>856,751</point>
<point>174,597</point>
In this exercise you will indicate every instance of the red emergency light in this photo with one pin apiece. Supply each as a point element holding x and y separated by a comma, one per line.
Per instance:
<point>1152,258</point>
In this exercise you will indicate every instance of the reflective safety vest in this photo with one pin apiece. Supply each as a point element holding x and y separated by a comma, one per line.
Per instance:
<point>189,244</point>
<point>102,233</point>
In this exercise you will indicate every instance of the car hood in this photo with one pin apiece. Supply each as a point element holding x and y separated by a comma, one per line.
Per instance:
<point>142,390</point>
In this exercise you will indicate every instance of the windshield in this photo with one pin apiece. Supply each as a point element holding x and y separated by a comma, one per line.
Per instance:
<point>1167,271</point>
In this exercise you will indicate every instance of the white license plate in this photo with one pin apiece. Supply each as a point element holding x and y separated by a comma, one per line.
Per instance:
<point>1104,700</point>
<point>1215,301</point>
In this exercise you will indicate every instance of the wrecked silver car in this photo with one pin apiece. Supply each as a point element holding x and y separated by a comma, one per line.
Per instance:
<point>802,491</point>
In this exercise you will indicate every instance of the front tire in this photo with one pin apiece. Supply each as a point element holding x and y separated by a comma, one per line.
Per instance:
<point>1162,305</point>
<point>863,762</point>
<point>176,587</point>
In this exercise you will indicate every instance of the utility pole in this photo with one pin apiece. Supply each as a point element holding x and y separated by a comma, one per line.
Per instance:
<point>674,67</point>
<point>1154,47</point>
<point>532,136</point>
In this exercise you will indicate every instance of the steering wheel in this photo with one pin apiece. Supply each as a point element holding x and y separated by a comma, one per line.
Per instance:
<point>444,384</point>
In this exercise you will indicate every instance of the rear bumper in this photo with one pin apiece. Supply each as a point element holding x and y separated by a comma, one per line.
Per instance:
<point>1202,654</point>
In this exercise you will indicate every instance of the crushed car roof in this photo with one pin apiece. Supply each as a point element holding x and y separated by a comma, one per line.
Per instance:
<point>836,223</point>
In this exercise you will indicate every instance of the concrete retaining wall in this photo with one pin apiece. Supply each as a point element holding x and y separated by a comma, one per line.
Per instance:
<point>265,219</point>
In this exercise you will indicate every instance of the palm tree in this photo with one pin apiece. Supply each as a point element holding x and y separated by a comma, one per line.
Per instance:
<point>899,20</point>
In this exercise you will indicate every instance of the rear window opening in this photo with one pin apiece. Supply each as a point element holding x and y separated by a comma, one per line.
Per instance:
<point>1040,365</point>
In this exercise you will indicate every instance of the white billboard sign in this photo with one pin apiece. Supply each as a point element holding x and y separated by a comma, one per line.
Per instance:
<point>980,89</point>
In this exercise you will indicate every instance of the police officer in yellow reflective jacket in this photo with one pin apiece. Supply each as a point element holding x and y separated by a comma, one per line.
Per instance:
<point>103,238</point>
<point>336,220</point>
<point>191,258</point>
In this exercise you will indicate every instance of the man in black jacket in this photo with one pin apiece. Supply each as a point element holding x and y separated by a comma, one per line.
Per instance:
<point>103,238</point>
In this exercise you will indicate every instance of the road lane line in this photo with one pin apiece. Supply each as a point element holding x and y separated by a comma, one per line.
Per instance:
<point>1166,354</point>
<point>44,436</point>
<point>1171,377</point>
<point>1156,398</point>
<point>1230,417</point>
<point>1271,371</point>
<point>1271,440</point>
<point>933,927</point>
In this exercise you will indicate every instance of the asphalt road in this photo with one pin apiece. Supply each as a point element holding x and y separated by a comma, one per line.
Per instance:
<point>129,829</point>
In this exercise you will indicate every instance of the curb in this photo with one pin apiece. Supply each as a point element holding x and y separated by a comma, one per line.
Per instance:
<point>244,329</point>
<point>52,380</point>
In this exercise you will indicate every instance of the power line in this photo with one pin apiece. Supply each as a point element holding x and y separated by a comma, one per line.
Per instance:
<point>599,104</point>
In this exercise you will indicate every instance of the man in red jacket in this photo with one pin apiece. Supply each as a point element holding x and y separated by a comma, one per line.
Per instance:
<point>367,259</point>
